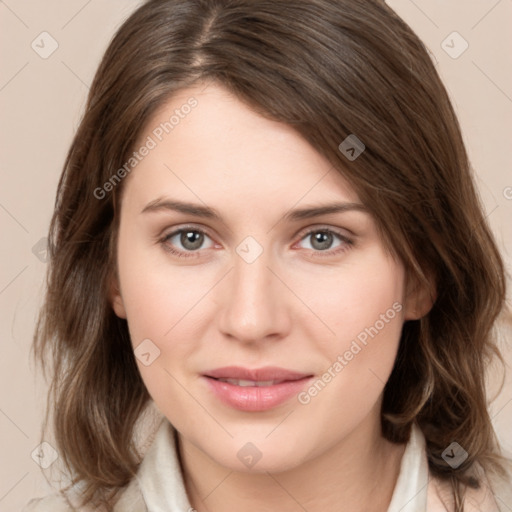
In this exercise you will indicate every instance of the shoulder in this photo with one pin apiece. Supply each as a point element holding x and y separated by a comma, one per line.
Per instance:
<point>51,503</point>
<point>56,502</point>
<point>130,499</point>
<point>491,496</point>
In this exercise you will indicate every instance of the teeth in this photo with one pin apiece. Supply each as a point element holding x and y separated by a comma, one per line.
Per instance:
<point>245,383</point>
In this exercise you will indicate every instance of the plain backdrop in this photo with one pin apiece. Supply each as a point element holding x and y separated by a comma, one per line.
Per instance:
<point>49,53</point>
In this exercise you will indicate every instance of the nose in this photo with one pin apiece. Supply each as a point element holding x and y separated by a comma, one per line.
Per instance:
<point>256,305</point>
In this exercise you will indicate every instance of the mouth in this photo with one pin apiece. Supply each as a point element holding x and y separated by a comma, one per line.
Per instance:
<point>247,383</point>
<point>255,390</point>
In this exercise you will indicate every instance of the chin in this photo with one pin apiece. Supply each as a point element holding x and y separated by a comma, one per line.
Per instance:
<point>265,456</point>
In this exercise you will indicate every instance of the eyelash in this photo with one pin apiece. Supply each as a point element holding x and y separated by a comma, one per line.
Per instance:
<point>347,242</point>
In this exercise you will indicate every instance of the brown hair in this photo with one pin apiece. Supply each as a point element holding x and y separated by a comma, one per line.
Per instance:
<point>329,68</point>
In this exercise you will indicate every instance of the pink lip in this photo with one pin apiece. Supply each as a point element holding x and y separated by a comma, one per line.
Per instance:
<point>255,398</point>
<point>256,374</point>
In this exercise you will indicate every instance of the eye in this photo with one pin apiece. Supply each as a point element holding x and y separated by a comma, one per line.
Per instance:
<point>326,241</point>
<point>186,240</point>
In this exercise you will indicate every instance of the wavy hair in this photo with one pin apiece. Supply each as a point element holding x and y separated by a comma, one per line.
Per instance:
<point>329,69</point>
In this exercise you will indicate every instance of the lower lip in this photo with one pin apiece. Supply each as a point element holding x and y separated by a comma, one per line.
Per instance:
<point>253,398</point>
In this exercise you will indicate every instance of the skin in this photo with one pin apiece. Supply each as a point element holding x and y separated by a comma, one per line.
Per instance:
<point>297,306</point>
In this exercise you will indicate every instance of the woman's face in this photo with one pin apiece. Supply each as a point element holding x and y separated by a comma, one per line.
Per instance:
<point>254,317</point>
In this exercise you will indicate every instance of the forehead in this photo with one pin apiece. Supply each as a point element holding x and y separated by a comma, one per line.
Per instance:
<point>222,152</point>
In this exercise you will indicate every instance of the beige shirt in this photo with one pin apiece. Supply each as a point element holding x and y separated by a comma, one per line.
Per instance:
<point>159,486</point>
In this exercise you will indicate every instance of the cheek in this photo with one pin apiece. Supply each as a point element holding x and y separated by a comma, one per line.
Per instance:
<point>157,295</point>
<point>359,300</point>
<point>166,304</point>
<point>159,301</point>
<point>363,310</point>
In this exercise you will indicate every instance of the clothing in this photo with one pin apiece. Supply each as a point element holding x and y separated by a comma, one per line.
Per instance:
<point>159,485</point>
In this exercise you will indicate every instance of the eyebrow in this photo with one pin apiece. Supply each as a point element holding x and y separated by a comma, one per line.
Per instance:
<point>163,204</point>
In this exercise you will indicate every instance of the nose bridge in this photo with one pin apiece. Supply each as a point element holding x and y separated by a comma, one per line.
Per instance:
<point>254,307</point>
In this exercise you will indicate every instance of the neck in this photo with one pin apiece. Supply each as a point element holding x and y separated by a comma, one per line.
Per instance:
<point>359,474</point>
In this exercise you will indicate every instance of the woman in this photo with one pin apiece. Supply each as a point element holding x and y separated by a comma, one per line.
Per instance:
<point>267,227</point>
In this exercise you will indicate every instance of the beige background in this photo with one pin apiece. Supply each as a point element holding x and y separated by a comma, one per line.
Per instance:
<point>41,100</point>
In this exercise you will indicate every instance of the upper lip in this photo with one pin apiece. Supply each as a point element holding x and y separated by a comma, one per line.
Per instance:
<point>267,373</point>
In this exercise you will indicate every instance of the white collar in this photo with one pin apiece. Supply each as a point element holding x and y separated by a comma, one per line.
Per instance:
<point>159,477</point>
<point>410,494</point>
<point>161,481</point>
